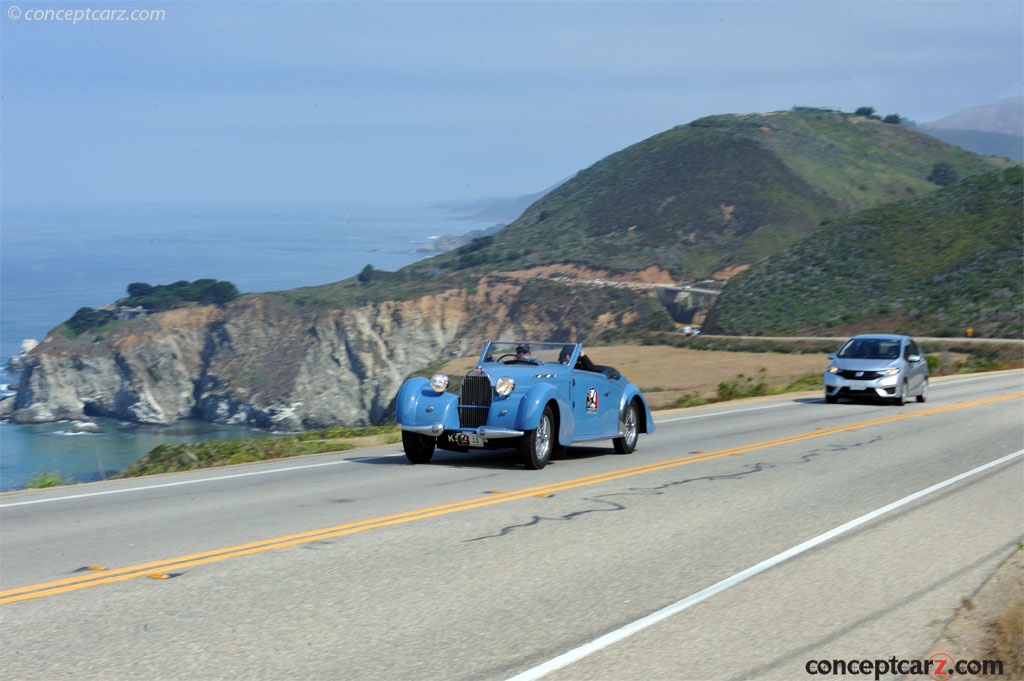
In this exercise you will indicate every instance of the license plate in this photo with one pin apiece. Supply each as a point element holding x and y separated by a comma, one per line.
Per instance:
<point>465,439</point>
<point>858,385</point>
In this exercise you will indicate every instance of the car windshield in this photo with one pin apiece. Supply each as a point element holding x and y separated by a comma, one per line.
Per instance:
<point>870,348</point>
<point>510,352</point>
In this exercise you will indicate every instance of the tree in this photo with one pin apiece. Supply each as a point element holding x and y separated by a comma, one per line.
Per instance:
<point>139,289</point>
<point>170,296</point>
<point>366,275</point>
<point>868,111</point>
<point>893,118</point>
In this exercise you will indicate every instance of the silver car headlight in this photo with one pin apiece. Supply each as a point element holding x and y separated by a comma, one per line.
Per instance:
<point>833,369</point>
<point>439,382</point>
<point>504,385</point>
<point>891,371</point>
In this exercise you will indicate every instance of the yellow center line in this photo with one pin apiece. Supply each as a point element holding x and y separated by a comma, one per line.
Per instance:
<point>96,578</point>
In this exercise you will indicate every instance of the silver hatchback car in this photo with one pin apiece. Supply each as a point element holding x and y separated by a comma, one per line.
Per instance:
<point>877,366</point>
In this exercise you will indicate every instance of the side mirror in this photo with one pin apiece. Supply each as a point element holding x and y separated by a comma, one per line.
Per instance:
<point>831,355</point>
<point>914,358</point>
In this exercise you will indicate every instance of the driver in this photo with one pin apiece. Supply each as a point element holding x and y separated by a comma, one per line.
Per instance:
<point>525,353</point>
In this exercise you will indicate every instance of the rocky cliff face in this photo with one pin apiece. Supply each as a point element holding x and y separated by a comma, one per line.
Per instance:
<point>262,362</point>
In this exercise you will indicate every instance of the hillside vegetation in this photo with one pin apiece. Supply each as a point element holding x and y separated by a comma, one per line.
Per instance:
<point>937,265</point>
<point>718,192</point>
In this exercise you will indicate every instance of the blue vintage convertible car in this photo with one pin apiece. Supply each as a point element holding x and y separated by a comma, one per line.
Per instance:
<point>536,397</point>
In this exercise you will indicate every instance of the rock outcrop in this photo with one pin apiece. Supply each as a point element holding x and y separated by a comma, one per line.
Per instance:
<point>265,362</point>
<point>19,361</point>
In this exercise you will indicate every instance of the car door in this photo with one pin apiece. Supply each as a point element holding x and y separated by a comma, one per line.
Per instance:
<point>916,371</point>
<point>594,404</point>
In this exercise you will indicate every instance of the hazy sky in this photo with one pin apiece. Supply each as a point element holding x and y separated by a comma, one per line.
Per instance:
<point>409,101</point>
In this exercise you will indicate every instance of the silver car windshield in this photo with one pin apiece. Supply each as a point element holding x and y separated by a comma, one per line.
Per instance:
<point>529,351</point>
<point>870,348</point>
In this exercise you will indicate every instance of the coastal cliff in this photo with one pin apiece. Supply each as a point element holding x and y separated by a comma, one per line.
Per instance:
<point>265,362</point>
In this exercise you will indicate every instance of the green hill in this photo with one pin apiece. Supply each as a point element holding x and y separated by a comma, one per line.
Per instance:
<point>936,265</point>
<point>711,198</point>
<point>721,191</point>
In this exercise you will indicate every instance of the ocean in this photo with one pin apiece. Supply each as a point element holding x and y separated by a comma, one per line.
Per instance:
<point>55,259</point>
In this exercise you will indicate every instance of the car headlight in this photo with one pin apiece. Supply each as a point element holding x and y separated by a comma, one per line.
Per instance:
<point>891,371</point>
<point>439,382</point>
<point>833,369</point>
<point>504,385</point>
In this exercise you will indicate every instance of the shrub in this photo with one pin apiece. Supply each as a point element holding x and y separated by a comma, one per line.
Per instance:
<point>743,386</point>
<point>46,479</point>
<point>943,174</point>
<point>87,318</point>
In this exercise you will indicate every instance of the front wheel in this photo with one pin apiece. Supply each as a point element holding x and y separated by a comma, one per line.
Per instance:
<point>418,448</point>
<point>630,430</point>
<point>924,392</point>
<point>901,394</point>
<point>536,446</point>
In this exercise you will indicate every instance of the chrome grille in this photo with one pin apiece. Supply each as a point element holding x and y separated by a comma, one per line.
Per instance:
<point>864,375</point>
<point>474,401</point>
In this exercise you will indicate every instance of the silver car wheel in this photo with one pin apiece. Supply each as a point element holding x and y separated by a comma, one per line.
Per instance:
<point>536,445</point>
<point>901,394</point>
<point>543,438</point>
<point>630,425</point>
<point>630,430</point>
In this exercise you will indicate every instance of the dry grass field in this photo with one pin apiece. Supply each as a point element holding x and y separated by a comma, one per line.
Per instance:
<point>665,374</point>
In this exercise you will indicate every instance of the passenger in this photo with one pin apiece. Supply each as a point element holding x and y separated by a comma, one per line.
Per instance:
<point>583,362</point>
<point>565,355</point>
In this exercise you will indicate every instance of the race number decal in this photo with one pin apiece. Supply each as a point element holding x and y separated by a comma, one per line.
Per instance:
<point>592,401</point>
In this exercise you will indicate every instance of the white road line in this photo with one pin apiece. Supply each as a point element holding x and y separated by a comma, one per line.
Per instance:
<point>639,625</point>
<point>187,482</point>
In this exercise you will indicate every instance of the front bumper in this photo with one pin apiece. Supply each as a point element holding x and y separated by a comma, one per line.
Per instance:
<point>879,388</point>
<point>484,432</point>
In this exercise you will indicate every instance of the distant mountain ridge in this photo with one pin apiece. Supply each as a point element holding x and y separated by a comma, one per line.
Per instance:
<point>503,210</point>
<point>1004,117</point>
<point>995,129</point>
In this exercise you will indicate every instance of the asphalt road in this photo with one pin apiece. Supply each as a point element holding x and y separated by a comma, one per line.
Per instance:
<point>739,541</point>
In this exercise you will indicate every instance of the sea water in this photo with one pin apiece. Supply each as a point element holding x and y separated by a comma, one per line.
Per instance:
<point>55,259</point>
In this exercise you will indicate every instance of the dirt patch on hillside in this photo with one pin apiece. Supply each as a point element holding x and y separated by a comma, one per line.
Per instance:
<point>651,275</point>
<point>665,374</point>
<point>727,273</point>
